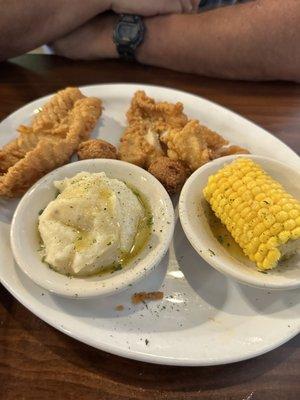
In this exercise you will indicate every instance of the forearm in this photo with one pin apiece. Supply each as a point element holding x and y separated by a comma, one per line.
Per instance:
<point>27,24</point>
<point>256,40</point>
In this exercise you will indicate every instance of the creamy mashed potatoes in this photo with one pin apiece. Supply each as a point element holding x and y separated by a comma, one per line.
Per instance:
<point>92,223</point>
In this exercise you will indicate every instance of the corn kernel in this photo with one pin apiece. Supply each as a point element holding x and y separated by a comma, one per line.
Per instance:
<point>282,216</point>
<point>263,213</point>
<point>294,214</point>
<point>276,228</point>
<point>287,207</point>
<point>295,234</point>
<point>258,230</point>
<point>260,196</point>
<point>253,245</point>
<point>264,237</point>
<point>275,209</point>
<point>245,212</point>
<point>289,225</point>
<point>269,220</point>
<point>256,190</point>
<point>284,236</point>
<point>271,259</point>
<point>273,242</point>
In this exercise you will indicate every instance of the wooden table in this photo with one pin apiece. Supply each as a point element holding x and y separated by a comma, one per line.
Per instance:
<point>38,362</point>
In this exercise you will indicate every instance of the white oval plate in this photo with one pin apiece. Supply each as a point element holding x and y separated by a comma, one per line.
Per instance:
<point>204,318</point>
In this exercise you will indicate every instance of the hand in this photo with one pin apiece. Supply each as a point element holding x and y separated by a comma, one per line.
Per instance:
<point>91,41</point>
<point>149,8</point>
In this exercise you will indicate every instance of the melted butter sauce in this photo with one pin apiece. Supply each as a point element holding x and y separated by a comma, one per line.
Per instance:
<point>223,236</point>
<point>140,240</point>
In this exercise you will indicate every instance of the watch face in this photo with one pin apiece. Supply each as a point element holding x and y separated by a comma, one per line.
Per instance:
<point>127,32</point>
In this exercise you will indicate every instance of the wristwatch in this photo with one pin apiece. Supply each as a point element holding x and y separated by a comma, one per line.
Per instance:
<point>128,35</point>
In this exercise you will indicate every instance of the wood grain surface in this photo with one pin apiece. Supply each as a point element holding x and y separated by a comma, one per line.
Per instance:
<point>38,362</point>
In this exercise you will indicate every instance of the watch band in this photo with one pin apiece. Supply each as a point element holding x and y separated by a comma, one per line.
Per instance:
<point>126,52</point>
<point>127,49</point>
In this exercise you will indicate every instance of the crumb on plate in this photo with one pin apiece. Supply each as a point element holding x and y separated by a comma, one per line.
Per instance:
<point>146,296</point>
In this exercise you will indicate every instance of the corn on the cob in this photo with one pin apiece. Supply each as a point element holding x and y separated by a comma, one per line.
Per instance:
<point>260,215</point>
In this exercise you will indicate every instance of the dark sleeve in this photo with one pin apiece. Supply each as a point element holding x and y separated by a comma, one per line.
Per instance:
<point>209,4</point>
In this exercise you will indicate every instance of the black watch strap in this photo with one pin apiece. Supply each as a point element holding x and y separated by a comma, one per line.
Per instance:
<point>126,43</point>
<point>126,52</point>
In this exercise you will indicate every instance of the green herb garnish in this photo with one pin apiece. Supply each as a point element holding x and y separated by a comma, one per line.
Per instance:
<point>150,220</point>
<point>220,239</point>
<point>212,253</point>
<point>118,267</point>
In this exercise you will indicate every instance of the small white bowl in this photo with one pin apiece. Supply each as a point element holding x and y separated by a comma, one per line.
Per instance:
<point>192,207</point>
<point>25,242</point>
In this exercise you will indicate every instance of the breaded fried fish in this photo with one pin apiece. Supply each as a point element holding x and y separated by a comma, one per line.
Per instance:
<point>160,115</point>
<point>147,120</point>
<point>53,136</point>
<point>187,145</point>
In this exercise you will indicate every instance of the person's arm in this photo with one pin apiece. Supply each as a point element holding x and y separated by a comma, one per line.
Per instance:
<point>257,40</point>
<point>27,24</point>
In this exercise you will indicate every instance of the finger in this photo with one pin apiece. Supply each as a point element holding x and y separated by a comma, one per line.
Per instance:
<point>196,4</point>
<point>170,6</point>
<point>187,6</point>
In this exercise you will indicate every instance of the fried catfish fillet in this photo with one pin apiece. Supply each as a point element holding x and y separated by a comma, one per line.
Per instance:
<point>229,151</point>
<point>53,136</point>
<point>161,116</point>
<point>187,145</point>
<point>147,119</point>
<point>140,145</point>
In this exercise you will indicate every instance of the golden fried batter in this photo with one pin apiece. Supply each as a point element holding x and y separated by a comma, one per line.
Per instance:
<point>147,119</point>
<point>161,115</point>
<point>172,174</point>
<point>213,140</point>
<point>229,151</point>
<point>96,148</point>
<point>140,145</point>
<point>187,145</point>
<point>54,116</point>
<point>53,120</point>
<point>49,142</point>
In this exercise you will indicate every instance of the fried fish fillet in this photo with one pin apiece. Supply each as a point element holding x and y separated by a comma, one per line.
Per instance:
<point>229,151</point>
<point>140,145</point>
<point>54,135</point>
<point>187,145</point>
<point>147,119</point>
<point>157,130</point>
<point>160,115</point>
<point>51,120</point>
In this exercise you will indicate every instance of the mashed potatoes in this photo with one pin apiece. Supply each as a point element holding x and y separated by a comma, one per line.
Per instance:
<point>90,225</point>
